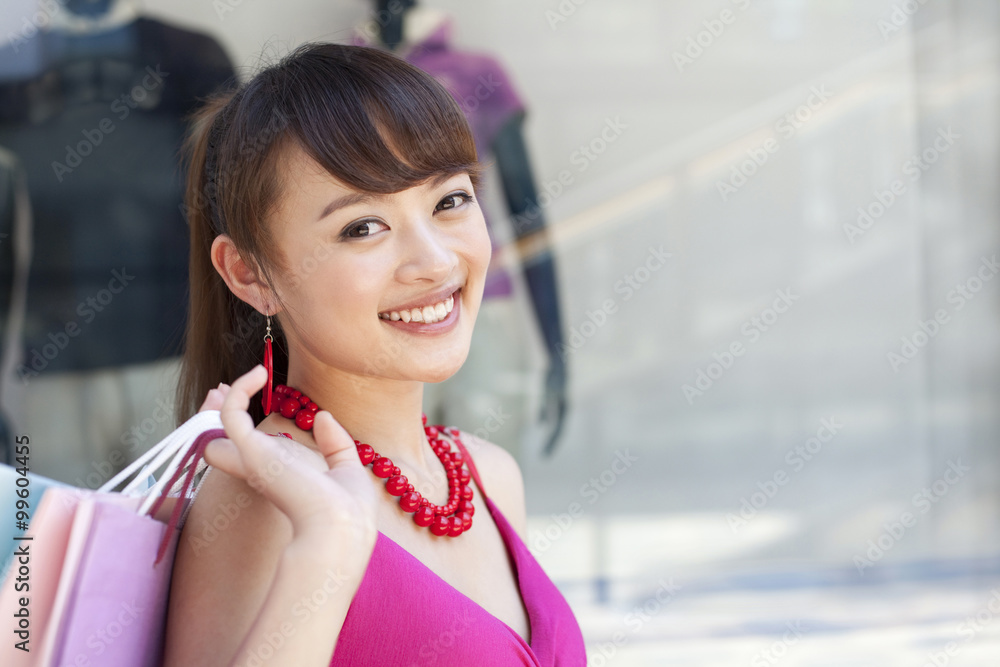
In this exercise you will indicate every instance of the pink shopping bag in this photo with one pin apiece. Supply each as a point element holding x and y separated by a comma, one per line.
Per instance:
<point>36,583</point>
<point>112,597</point>
<point>101,564</point>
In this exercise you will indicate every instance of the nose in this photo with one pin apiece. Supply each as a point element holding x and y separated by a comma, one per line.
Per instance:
<point>427,253</point>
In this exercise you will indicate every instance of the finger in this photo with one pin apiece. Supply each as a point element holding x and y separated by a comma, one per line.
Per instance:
<point>213,400</point>
<point>221,453</point>
<point>287,474</point>
<point>341,455</point>
<point>256,450</point>
<point>284,472</point>
<point>334,442</point>
<point>251,445</point>
<point>233,411</point>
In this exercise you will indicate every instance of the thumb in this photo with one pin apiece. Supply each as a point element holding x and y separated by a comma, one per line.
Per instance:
<point>334,442</point>
<point>221,453</point>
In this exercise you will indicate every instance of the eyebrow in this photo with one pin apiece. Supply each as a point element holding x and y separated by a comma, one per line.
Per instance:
<point>362,197</point>
<point>346,200</point>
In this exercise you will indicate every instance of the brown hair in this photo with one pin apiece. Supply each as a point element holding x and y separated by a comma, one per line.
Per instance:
<point>371,120</point>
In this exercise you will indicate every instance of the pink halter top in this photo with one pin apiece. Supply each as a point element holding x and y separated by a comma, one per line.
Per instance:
<point>405,615</point>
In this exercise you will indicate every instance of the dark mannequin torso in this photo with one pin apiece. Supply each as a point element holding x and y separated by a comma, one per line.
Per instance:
<point>98,132</point>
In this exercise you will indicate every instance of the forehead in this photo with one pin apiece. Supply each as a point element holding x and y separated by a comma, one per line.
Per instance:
<point>297,170</point>
<point>304,184</point>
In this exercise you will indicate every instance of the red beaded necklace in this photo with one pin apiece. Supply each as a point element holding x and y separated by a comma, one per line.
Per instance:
<point>451,519</point>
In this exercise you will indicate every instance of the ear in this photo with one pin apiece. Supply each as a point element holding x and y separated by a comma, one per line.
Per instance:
<point>240,276</point>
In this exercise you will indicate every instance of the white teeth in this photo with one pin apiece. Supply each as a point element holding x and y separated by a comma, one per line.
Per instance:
<point>427,314</point>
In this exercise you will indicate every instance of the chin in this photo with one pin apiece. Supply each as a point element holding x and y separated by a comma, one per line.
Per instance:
<point>444,368</point>
<point>436,378</point>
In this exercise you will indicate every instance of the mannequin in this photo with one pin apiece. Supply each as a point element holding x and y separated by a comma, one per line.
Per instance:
<point>414,32</point>
<point>15,248</point>
<point>97,129</point>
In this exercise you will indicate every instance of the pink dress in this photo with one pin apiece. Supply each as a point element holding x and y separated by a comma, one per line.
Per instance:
<point>405,615</point>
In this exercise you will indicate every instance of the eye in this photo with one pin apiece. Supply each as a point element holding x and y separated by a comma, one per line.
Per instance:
<point>454,200</point>
<point>363,227</point>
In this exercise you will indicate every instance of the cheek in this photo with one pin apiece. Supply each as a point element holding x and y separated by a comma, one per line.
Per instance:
<point>335,309</point>
<point>481,250</point>
<point>347,287</point>
<point>325,282</point>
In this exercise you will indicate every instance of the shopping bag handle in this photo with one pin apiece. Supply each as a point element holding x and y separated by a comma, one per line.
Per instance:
<point>189,431</point>
<point>190,460</point>
<point>164,450</point>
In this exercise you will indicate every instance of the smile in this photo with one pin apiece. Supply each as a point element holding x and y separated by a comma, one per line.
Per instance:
<point>429,314</point>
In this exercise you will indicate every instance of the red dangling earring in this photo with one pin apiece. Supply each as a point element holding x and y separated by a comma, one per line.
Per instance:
<point>269,365</point>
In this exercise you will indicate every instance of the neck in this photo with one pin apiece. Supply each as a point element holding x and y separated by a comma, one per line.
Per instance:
<point>417,23</point>
<point>421,22</point>
<point>383,413</point>
<point>83,18</point>
<point>88,7</point>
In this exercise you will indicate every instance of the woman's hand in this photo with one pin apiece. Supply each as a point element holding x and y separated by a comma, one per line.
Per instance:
<point>330,502</point>
<point>333,502</point>
<point>215,397</point>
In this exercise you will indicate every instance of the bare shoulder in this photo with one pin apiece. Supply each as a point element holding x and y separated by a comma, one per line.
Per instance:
<point>226,554</point>
<point>502,478</point>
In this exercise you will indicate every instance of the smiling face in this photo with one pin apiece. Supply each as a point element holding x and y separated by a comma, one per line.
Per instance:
<point>378,285</point>
<point>363,128</point>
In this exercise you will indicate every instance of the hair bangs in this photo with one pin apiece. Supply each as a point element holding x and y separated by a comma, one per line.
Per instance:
<point>381,128</point>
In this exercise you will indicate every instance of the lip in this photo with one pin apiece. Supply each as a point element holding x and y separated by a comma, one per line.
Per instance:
<point>428,300</point>
<point>443,326</point>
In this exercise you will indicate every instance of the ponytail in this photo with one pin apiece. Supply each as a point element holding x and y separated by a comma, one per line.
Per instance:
<point>224,337</point>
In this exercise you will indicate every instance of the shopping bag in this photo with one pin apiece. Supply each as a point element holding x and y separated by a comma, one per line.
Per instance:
<point>30,587</point>
<point>38,486</point>
<point>109,605</point>
<point>28,595</point>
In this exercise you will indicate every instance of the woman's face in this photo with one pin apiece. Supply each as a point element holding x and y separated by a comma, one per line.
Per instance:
<point>361,265</point>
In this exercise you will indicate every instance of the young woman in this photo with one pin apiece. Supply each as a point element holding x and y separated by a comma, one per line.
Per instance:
<point>334,226</point>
